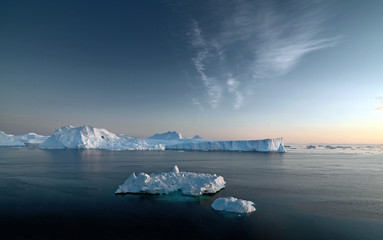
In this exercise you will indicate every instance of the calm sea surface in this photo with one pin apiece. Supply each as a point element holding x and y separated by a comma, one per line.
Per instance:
<point>69,194</point>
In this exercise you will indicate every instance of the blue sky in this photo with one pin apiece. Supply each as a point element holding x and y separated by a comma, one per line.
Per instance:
<point>309,72</point>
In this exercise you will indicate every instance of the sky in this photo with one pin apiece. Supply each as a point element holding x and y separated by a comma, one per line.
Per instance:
<point>308,71</point>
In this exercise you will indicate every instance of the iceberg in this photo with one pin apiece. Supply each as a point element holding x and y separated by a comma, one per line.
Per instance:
<point>189,183</point>
<point>20,140</point>
<point>170,135</point>
<point>231,204</point>
<point>266,145</point>
<point>87,137</point>
<point>84,137</point>
<point>196,137</point>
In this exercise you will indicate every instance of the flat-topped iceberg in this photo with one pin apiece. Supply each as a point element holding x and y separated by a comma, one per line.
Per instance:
<point>231,204</point>
<point>189,183</point>
<point>266,145</point>
<point>20,140</point>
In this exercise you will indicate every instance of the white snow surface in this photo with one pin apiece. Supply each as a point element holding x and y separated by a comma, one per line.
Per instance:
<point>84,137</point>
<point>266,145</point>
<point>20,140</point>
<point>189,183</point>
<point>87,137</point>
<point>231,204</point>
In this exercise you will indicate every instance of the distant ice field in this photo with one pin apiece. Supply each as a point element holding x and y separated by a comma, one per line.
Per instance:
<point>335,148</point>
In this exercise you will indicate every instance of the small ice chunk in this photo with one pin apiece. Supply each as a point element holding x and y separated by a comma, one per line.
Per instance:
<point>188,183</point>
<point>176,169</point>
<point>231,204</point>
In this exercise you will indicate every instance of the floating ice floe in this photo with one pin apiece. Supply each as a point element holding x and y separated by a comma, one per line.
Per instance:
<point>231,204</point>
<point>189,183</point>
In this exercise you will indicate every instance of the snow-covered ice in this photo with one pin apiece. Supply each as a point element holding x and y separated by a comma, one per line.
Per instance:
<point>266,145</point>
<point>20,140</point>
<point>87,137</point>
<point>231,204</point>
<point>83,137</point>
<point>189,183</point>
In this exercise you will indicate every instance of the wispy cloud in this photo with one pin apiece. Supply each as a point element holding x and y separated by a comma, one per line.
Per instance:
<point>277,40</point>
<point>380,107</point>
<point>197,40</point>
<point>232,86</point>
<point>197,103</point>
<point>249,41</point>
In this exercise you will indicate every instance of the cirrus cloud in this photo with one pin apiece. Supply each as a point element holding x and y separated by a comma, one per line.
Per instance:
<point>247,41</point>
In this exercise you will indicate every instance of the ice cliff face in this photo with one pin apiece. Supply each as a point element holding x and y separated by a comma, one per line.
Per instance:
<point>20,140</point>
<point>266,145</point>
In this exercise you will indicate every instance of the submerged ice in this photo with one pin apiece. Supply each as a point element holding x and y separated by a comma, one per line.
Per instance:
<point>231,204</point>
<point>189,183</point>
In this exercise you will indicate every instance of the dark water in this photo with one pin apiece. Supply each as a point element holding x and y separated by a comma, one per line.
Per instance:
<point>69,194</point>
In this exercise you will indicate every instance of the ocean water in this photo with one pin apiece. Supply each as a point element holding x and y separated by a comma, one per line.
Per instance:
<point>69,194</point>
